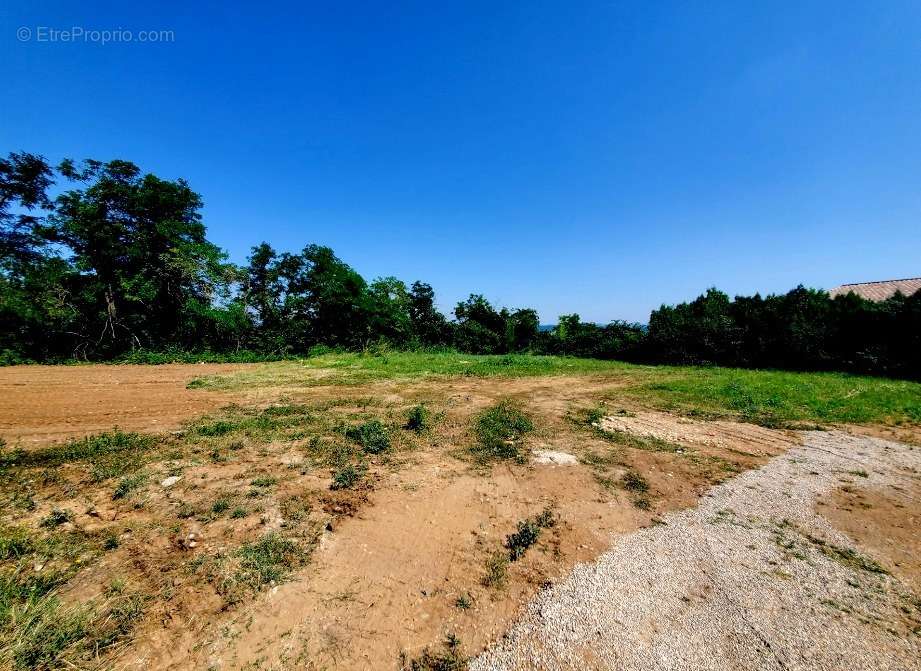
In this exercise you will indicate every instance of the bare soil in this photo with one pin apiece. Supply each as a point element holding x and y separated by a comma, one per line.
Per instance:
<point>41,404</point>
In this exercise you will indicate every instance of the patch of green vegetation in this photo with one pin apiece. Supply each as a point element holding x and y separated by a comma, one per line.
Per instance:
<point>634,482</point>
<point>99,448</point>
<point>346,477</point>
<point>264,481</point>
<point>418,419</point>
<point>355,368</point>
<point>779,398</point>
<point>496,570</point>
<point>773,398</point>
<point>128,484</point>
<point>860,473</point>
<point>222,505</point>
<point>238,513</point>
<point>56,518</point>
<point>498,430</point>
<point>371,435</point>
<point>528,533</point>
<point>269,560</point>
<point>464,601</point>
<point>517,543</point>
<point>36,630</point>
<point>847,557</point>
<point>449,658</point>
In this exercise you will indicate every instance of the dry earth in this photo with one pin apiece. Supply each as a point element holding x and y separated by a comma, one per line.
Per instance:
<point>39,404</point>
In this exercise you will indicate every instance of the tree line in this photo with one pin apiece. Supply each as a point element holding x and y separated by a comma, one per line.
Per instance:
<point>119,262</point>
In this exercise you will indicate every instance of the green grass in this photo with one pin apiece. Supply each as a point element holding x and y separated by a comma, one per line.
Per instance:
<point>361,368</point>
<point>104,447</point>
<point>772,398</point>
<point>499,430</point>
<point>778,398</point>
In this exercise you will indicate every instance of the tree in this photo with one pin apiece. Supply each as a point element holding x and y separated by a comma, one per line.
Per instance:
<point>480,329</point>
<point>139,245</point>
<point>430,328</point>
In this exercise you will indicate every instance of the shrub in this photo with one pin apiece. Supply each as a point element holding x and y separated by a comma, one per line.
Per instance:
<point>56,518</point>
<point>517,543</point>
<point>634,482</point>
<point>372,436</point>
<point>418,419</point>
<point>346,477</point>
<point>498,429</point>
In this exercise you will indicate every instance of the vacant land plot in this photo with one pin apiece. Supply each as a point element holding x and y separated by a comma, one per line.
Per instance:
<point>367,511</point>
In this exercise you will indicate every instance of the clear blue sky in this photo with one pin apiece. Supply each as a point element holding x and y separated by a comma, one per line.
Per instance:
<point>599,158</point>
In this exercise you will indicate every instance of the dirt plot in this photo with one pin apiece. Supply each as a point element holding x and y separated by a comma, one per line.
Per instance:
<point>264,535</point>
<point>40,404</point>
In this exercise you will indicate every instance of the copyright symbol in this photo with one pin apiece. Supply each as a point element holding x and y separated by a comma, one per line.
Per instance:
<point>24,34</point>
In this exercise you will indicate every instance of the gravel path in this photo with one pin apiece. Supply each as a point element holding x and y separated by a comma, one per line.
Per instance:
<point>752,578</point>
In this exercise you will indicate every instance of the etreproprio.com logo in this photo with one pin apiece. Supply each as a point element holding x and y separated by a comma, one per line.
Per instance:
<point>79,34</point>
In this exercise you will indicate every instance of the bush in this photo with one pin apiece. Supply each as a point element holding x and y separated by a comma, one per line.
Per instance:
<point>498,430</point>
<point>418,419</point>
<point>372,436</point>
<point>346,477</point>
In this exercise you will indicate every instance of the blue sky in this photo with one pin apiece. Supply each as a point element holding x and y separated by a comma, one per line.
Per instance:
<point>599,158</point>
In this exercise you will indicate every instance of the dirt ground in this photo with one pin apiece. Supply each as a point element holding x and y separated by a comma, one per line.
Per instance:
<point>397,564</point>
<point>40,404</point>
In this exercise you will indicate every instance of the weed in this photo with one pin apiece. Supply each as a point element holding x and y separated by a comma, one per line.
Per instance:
<point>860,473</point>
<point>498,430</point>
<point>56,518</point>
<point>238,513</point>
<point>220,506</point>
<point>346,477</point>
<point>518,543</point>
<point>418,419</point>
<point>372,436</point>
<point>262,562</point>
<point>128,484</point>
<point>634,482</point>
<point>464,601</point>
<point>847,557</point>
<point>450,658</point>
<point>496,570</point>
<point>265,481</point>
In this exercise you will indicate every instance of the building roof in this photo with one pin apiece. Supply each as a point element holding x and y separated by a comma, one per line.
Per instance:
<point>879,291</point>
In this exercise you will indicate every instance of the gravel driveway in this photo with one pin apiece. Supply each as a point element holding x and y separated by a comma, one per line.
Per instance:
<point>752,578</point>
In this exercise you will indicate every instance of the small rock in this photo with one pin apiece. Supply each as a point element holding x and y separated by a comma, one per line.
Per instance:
<point>171,480</point>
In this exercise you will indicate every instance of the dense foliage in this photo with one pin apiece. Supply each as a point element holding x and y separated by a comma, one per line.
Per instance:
<point>118,266</point>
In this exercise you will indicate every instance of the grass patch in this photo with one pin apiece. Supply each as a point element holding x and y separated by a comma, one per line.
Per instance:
<point>634,482</point>
<point>269,560</point>
<point>371,435</point>
<point>496,570</point>
<point>128,484</point>
<point>498,431</point>
<point>779,398</point>
<point>772,398</point>
<point>102,449</point>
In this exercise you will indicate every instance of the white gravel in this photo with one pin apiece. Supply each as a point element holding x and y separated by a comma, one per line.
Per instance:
<point>735,583</point>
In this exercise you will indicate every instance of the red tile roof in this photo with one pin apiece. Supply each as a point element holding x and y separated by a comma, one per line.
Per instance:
<point>879,291</point>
